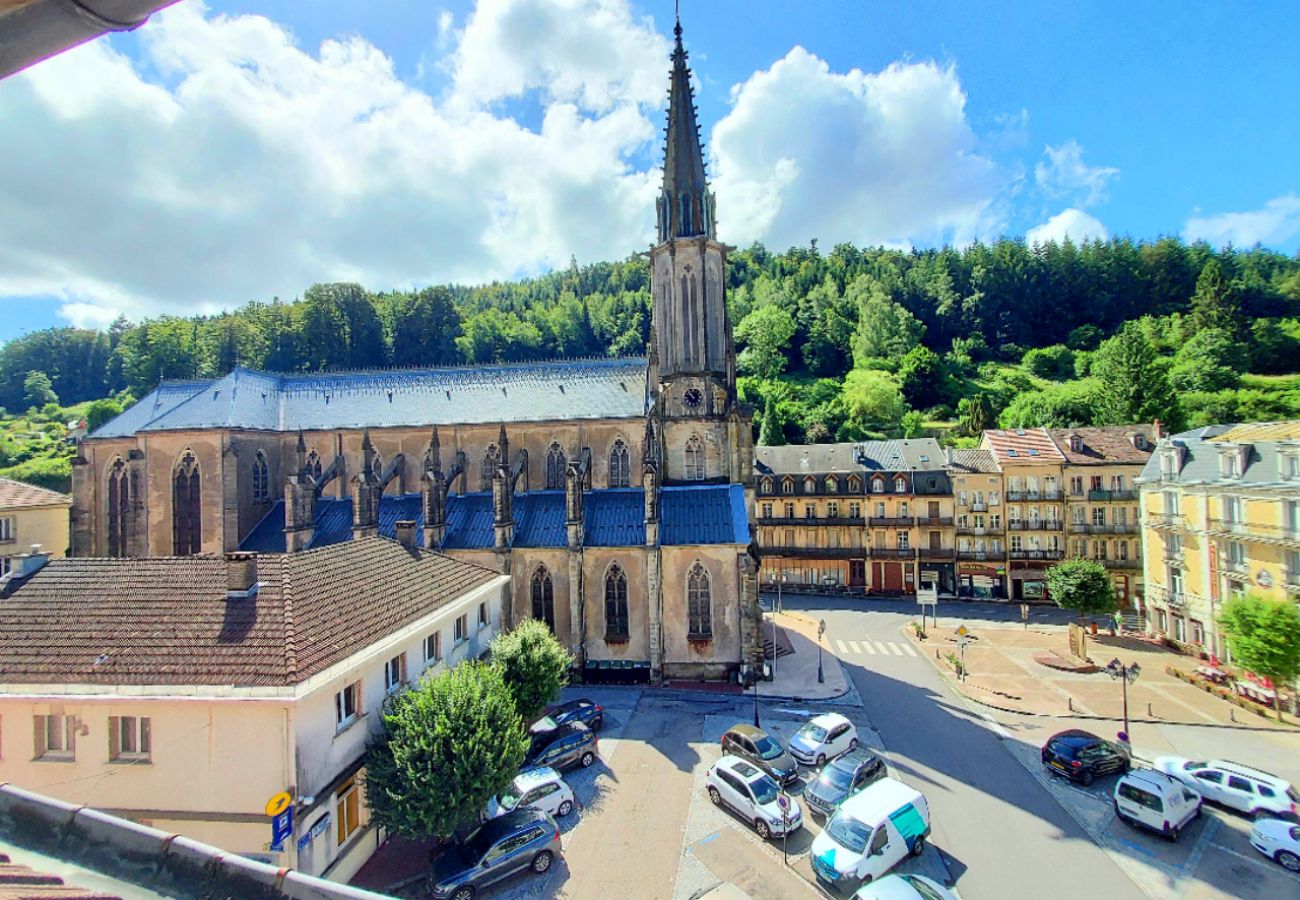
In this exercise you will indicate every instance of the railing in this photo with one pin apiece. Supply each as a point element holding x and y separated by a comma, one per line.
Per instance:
<point>891,521</point>
<point>1037,554</point>
<point>1165,520</point>
<point>1255,531</point>
<point>1167,597</point>
<point>939,521</point>
<point>1291,578</point>
<point>1113,528</point>
<point>1039,525</point>
<point>1099,496</point>
<point>979,506</point>
<point>971,529</point>
<point>811,552</point>
<point>1241,568</point>
<point>1052,495</point>
<point>1121,563</point>
<point>893,552</point>
<point>1079,528</point>
<point>981,555</point>
<point>936,552</point>
<point>810,520</point>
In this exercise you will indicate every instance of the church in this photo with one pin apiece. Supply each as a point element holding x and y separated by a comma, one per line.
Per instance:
<point>612,492</point>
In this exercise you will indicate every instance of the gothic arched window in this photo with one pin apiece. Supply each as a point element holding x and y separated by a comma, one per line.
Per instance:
<point>555,465</point>
<point>187,533</point>
<point>699,604</point>
<point>543,598</point>
<point>313,465</point>
<point>491,459</point>
<point>119,508</point>
<point>615,602</point>
<point>261,478</point>
<point>694,459</point>
<point>620,466</point>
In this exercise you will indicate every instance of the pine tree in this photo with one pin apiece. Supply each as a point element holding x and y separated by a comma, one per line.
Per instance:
<point>770,433</point>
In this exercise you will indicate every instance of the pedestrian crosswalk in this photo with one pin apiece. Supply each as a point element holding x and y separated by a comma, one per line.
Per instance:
<point>873,648</point>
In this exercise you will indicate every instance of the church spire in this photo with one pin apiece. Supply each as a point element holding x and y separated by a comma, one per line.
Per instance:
<point>685,205</point>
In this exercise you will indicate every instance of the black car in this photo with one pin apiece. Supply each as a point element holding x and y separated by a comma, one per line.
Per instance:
<point>843,776</point>
<point>563,747</point>
<point>763,750</point>
<point>588,712</point>
<point>525,839</point>
<point>1082,756</point>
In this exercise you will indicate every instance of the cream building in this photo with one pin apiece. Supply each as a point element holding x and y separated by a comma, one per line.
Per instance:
<point>31,516</point>
<point>1031,467</point>
<point>185,692</point>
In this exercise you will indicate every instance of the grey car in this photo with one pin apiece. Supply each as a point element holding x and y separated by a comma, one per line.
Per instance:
<point>571,744</point>
<point>524,840</point>
<point>843,776</point>
<point>763,750</point>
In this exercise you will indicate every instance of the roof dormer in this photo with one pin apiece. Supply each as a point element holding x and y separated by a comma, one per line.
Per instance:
<point>1076,443</point>
<point>1233,459</point>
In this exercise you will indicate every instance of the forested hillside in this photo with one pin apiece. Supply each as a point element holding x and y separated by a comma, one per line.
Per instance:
<point>840,345</point>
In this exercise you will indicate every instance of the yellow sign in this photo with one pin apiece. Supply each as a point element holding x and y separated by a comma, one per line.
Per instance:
<point>278,804</point>
<point>961,630</point>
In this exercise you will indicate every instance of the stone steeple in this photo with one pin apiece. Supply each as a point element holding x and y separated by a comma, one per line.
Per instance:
<point>685,204</point>
<point>366,491</point>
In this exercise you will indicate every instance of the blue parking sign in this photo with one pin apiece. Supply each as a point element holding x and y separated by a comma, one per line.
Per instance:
<point>281,828</point>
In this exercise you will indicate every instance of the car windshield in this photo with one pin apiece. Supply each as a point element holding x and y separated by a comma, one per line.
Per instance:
<point>1190,765</point>
<point>836,778</point>
<point>848,832</point>
<point>922,889</point>
<point>544,724</point>
<point>1294,797</point>
<point>508,800</point>
<point>765,790</point>
<point>767,748</point>
<point>813,733</point>
<point>479,844</point>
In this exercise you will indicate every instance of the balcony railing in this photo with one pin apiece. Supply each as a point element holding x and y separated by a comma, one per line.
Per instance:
<point>893,552</point>
<point>891,521</point>
<point>979,506</point>
<point>810,520</point>
<point>811,552</point>
<point>1291,577</point>
<point>1173,556</point>
<point>1039,525</point>
<point>1165,520</point>
<point>1099,496</point>
<point>1277,534</point>
<point>1052,494</point>
<point>1079,528</point>
<point>981,555</point>
<point>936,552</point>
<point>972,529</point>
<point>1037,554</point>
<point>1171,599</point>
<point>1133,564</point>
<point>934,521</point>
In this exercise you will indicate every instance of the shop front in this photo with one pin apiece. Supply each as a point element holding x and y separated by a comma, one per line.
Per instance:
<point>982,581</point>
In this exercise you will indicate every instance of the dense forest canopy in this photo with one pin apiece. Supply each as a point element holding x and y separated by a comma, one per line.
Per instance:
<point>838,345</point>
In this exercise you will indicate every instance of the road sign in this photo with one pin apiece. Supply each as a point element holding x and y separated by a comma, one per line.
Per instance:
<point>281,828</point>
<point>961,630</point>
<point>784,802</point>
<point>278,804</point>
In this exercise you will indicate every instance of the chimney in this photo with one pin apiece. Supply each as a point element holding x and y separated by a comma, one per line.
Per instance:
<point>241,576</point>
<point>1157,430</point>
<point>405,529</point>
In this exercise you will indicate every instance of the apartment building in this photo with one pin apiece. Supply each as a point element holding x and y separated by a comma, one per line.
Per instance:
<point>1221,509</point>
<point>1031,467</point>
<point>31,516</point>
<point>1100,473</point>
<point>980,526</point>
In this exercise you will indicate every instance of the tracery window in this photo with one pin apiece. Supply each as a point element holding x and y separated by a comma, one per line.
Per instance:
<point>555,464</point>
<point>620,466</point>
<point>261,478</point>
<point>694,459</point>
<point>543,598</point>
<point>313,466</point>
<point>699,603</point>
<point>119,508</point>
<point>616,602</point>
<point>187,537</point>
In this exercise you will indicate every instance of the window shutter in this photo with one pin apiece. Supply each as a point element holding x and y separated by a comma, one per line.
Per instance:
<point>146,734</point>
<point>114,737</point>
<point>38,740</point>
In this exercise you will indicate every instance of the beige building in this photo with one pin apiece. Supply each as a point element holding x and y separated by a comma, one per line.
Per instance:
<point>31,516</point>
<point>980,531</point>
<point>185,692</point>
<point>1031,467</point>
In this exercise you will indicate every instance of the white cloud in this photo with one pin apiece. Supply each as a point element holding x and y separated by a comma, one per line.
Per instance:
<point>1075,224</point>
<point>261,167</point>
<point>1064,174</point>
<point>1276,224</point>
<point>885,157</point>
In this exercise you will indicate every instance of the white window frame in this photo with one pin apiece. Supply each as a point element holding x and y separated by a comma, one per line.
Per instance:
<point>7,529</point>
<point>134,738</point>
<point>433,647</point>
<point>460,633</point>
<point>64,728</point>
<point>344,717</point>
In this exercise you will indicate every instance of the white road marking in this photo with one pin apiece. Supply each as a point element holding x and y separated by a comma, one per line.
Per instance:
<point>884,651</point>
<point>1259,860</point>
<point>996,726</point>
<point>866,645</point>
<point>853,645</point>
<point>907,648</point>
<point>843,649</point>
<point>894,647</point>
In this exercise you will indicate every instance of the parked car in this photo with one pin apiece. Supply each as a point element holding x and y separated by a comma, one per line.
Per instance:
<point>753,795</point>
<point>564,747</point>
<point>1148,799</point>
<point>870,833</point>
<point>588,712</point>
<point>1279,841</point>
<point>527,839</point>
<point>822,738</point>
<point>1255,793</point>
<point>1082,756</point>
<point>763,750</point>
<point>843,776</point>
<point>904,887</point>
<point>540,788</point>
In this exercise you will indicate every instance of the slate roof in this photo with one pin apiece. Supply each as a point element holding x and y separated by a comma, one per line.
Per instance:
<point>703,514</point>
<point>1200,450</point>
<point>615,517</point>
<point>1022,445</point>
<point>522,392</point>
<point>20,495</point>
<point>1109,445</point>
<point>798,459</point>
<point>166,620</point>
<point>967,462</point>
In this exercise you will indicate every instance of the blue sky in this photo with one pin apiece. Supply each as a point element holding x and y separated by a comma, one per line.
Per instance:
<point>243,150</point>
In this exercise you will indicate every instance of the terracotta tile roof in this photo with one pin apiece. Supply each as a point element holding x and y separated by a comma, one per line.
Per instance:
<point>19,882</point>
<point>1022,445</point>
<point>18,495</point>
<point>166,620</point>
<point>1259,432</point>
<point>965,461</point>
<point>1108,445</point>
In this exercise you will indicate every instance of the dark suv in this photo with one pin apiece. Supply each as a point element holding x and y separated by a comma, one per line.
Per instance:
<point>524,839</point>
<point>1082,756</point>
<point>568,745</point>
<point>843,776</point>
<point>763,750</point>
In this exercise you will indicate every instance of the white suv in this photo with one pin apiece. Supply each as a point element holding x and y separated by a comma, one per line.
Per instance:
<point>1247,790</point>
<point>540,788</point>
<point>753,794</point>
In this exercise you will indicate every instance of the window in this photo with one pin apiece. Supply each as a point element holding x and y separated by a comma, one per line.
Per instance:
<point>900,485</point>
<point>620,467</point>
<point>433,647</point>
<point>460,631</point>
<point>1121,516</point>
<point>1172,505</point>
<point>699,603</point>
<point>1230,464</point>
<point>766,511</point>
<point>313,465</point>
<point>56,737</point>
<point>855,484</point>
<point>347,810</point>
<point>994,499</point>
<point>7,529</point>
<point>1017,543</point>
<point>483,616</point>
<point>695,461</point>
<point>880,509</point>
<point>810,485</point>
<point>186,509</point>
<point>261,478</point>
<point>904,540</point>
<point>902,510</point>
<point>961,498</point>
<point>832,484</point>
<point>1237,554</point>
<point>1291,516</point>
<point>347,705</point>
<point>543,595</point>
<point>555,466</point>
<point>787,485</point>
<point>1076,485</point>
<point>877,485</point>
<point>491,459</point>
<point>4,565</point>
<point>1099,515</point>
<point>789,510</point>
<point>119,511</point>
<point>1232,509</point>
<point>129,738</point>
<point>615,602</point>
<point>855,510</point>
<point>810,510</point>
<point>833,510</point>
<point>766,487</point>
<point>394,673</point>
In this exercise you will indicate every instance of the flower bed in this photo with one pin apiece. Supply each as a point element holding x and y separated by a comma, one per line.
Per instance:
<point>1219,690</point>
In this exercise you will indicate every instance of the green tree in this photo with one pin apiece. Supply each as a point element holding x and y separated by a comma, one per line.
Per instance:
<point>770,433</point>
<point>1210,361</point>
<point>912,424</point>
<point>873,400</point>
<point>1134,384</point>
<point>1069,405</point>
<point>1083,585</point>
<point>533,665</point>
<point>425,330</point>
<point>922,378</point>
<point>976,413</point>
<point>766,334</point>
<point>1217,301</point>
<point>101,411</point>
<point>448,745</point>
<point>1055,362</point>
<point>885,329</point>
<point>1264,637</point>
<point>37,390</point>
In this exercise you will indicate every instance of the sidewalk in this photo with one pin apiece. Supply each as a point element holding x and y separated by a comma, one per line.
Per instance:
<point>796,672</point>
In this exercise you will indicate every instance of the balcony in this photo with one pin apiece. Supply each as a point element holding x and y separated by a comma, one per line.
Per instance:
<point>936,552</point>
<point>1099,496</point>
<point>1039,525</point>
<point>792,552</point>
<point>972,529</point>
<point>981,555</point>
<point>1037,554</point>
<point>1291,578</point>
<point>891,521</point>
<point>810,520</point>
<point>934,521</point>
<point>1128,564</point>
<point>1052,494</point>
<point>1079,528</point>
<point>1171,599</point>
<point>979,506</point>
<point>1166,521</point>
<point>893,552</point>
<point>1239,569</point>
<point>1269,534</point>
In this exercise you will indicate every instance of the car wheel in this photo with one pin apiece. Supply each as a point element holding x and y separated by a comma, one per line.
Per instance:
<point>1288,860</point>
<point>919,847</point>
<point>715,796</point>
<point>1086,778</point>
<point>821,760</point>
<point>761,827</point>
<point>853,744</point>
<point>587,759</point>
<point>464,892</point>
<point>565,808</point>
<point>1171,833</point>
<point>1258,814</point>
<point>1127,766</point>
<point>542,862</point>
<point>597,723</point>
<point>866,880</point>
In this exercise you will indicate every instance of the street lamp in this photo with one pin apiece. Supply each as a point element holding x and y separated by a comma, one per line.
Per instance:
<point>1126,674</point>
<point>821,629</point>
<point>757,676</point>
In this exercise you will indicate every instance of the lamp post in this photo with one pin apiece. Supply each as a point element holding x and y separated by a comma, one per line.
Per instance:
<point>757,675</point>
<point>1125,674</point>
<point>821,629</point>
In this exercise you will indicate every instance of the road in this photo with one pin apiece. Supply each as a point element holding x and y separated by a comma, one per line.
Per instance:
<point>1003,834</point>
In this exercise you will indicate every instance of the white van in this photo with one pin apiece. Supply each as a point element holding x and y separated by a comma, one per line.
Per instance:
<point>1154,800</point>
<point>870,833</point>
